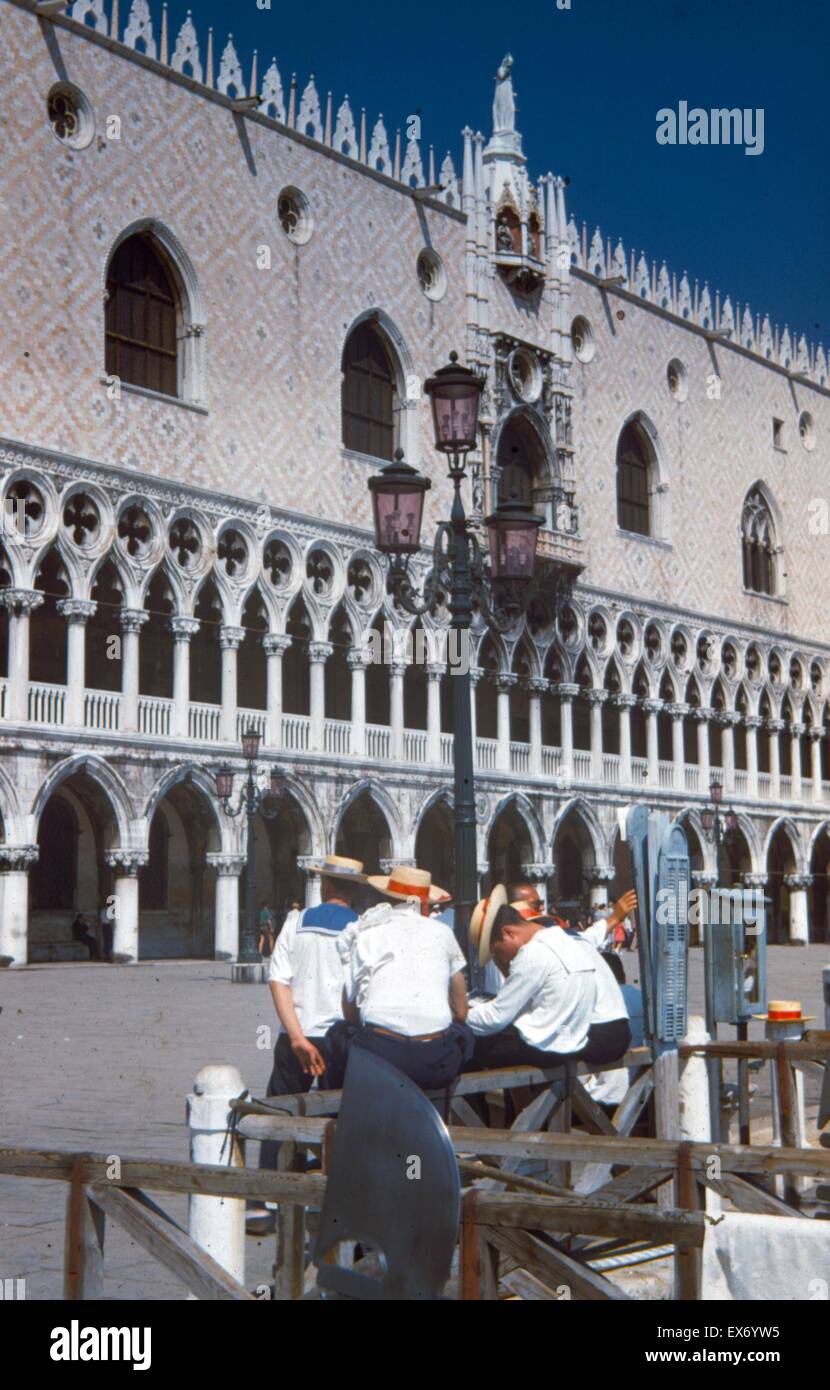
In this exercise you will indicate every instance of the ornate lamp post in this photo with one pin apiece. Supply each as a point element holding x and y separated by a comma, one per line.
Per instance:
<point>252,799</point>
<point>718,829</point>
<point>459,567</point>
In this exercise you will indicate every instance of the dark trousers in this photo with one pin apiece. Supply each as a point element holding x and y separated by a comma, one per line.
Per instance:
<point>509,1049</point>
<point>607,1042</point>
<point>107,930</point>
<point>81,935</point>
<point>287,1079</point>
<point>432,1065</point>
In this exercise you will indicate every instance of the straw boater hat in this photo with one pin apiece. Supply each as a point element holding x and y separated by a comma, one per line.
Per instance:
<point>785,1011</point>
<point>336,866</point>
<point>481,922</point>
<point>405,882</point>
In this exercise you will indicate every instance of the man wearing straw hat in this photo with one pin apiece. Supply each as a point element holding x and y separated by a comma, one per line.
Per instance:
<point>405,996</point>
<point>305,977</point>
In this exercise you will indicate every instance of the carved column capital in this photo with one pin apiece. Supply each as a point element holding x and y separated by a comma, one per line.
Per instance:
<point>505,681</point>
<point>476,675</point>
<point>566,690</point>
<point>536,685</point>
<point>625,701</point>
<point>133,619</point>
<point>653,706</point>
<point>276,643</point>
<point>815,732</point>
<point>231,638</point>
<point>184,628</point>
<point>753,721</point>
<point>702,713</point>
<point>678,711</point>
<point>538,873</point>
<point>435,670</point>
<point>798,882</point>
<point>702,879</point>
<point>226,865</point>
<point>387,865</point>
<point>797,729</point>
<point>776,726</point>
<point>21,600</point>
<point>126,862</point>
<point>356,659</point>
<point>76,610</point>
<point>753,880</point>
<point>319,652</point>
<point>17,858</point>
<point>596,697</point>
<point>601,873</point>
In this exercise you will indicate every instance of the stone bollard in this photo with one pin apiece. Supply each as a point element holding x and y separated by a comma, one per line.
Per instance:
<point>694,1087</point>
<point>217,1224</point>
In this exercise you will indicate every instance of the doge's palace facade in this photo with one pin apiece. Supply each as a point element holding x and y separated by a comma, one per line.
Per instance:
<point>223,292</point>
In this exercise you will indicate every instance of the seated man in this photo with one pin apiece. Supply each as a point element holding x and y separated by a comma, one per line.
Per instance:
<point>542,1013</point>
<point>405,995</point>
<point>608,1088</point>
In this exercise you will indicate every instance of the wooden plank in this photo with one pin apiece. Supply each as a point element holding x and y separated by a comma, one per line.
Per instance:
<point>745,1196</point>
<point>478,1258</point>
<point>687,1261</point>
<point>164,1175</point>
<point>172,1247</point>
<point>83,1242</point>
<point>624,1119</point>
<point>289,1269</point>
<point>592,1115</point>
<point>527,1287</point>
<point>465,1113</point>
<point>761,1159</point>
<point>469,1083</point>
<point>525,1210</point>
<point>565,1276</point>
<point>634,1182</point>
<point>812,1048</point>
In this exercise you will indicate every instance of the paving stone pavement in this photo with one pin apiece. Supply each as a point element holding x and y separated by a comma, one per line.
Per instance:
<point>102,1057</point>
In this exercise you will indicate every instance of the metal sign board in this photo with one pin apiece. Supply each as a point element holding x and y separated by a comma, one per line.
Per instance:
<point>636,833</point>
<point>671,935</point>
<point>735,940</point>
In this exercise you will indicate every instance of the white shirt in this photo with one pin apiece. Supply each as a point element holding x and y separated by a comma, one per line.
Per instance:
<point>610,1004</point>
<point>597,933</point>
<point>399,970</point>
<point>549,994</point>
<point>310,961</point>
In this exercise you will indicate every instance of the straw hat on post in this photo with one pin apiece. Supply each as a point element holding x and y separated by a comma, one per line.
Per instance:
<point>405,882</point>
<point>337,866</point>
<point>481,922</point>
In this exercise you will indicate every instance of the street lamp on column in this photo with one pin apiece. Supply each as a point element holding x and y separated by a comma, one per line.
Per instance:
<point>253,800</point>
<point>718,827</point>
<point>460,568</point>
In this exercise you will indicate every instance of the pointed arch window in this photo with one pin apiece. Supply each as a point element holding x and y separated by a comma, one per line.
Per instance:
<point>369,396</point>
<point>634,470</point>
<point>141,318</point>
<point>758,544</point>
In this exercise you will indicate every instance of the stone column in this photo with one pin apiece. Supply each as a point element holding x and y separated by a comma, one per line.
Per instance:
<point>536,687</point>
<point>397,671</point>
<point>226,909</point>
<point>652,709</point>
<point>435,672</point>
<point>703,715</point>
<point>600,878</point>
<point>230,640</point>
<point>16,861</point>
<point>357,665</point>
<point>625,703</point>
<point>538,874</point>
<point>21,603</point>
<point>677,714</point>
<point>754,883</point>
<point>728,720</point>
<point>596,700</point>
<point>796,730</point>
<point>312,881</point>
<point>132,621</point>
<point>776,727</point>
<point>753,723</point>
<point>183,629</point>
<point>125,864</point>
<point>798,885</point>
<point>275,644</point>
<point>77,612</point>
<point>504,684</point>
<point>702,882</point>
<point>318,655</point>
<point>476,674</point>
<point>815,761</point>
<point>567,694</point>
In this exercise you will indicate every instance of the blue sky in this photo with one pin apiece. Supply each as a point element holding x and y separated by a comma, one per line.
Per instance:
<point>589,83</point>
